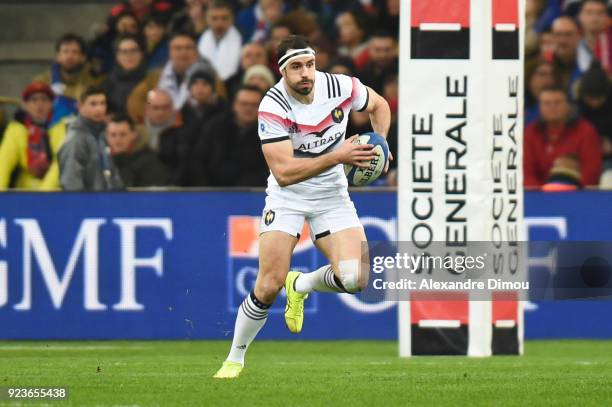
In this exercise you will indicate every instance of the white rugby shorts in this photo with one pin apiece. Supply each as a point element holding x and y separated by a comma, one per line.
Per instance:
<point>324,216</point>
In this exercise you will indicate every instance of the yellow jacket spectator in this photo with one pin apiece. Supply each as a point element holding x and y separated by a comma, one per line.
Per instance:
<point>28,153</point>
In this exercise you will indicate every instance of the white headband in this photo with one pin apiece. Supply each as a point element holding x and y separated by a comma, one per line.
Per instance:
<point>293,54</point>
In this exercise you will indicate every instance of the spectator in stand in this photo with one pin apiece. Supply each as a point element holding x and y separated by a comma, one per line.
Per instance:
<point>383,62</point>
<point>571,7</point>
<point>543,75</point>
<point>137,164</point>
<point>252,54</point>
<point>156,39</point>
<point>605,182</point>
<point>255,21</point>
<point>127,23</point>
<point>128,72</point>
<point>174,78</point>
<point>203,104</point>
<point>351,34</point>
<point>85,161</point>
<point>140,9</point>
<point>547,12</point>
<point>304,23</point>
<point>566,37</point>
<point>342,65</point>
<point>327,13</point>
<point>164,133</point>
<point>533,8</point>
<point>564,175</point>
<point>196,10</point>
<point>259,76</point>
<point>323,52</point>
<point>595,104</point>
<point>3,121</point>
<point>388,12</point>
<point>28,152</point>
<point>230,153</point>
<point>221,43</point>
<point>192,18</point>
<point>69,76</point>
<point>278,32</point>
<point>184,60</point>
<point>546,46</point>
<point>102,46</point>
<point>597,32</point>
<point>559,133</point>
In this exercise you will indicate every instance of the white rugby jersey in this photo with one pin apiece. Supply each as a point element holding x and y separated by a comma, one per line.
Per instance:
<point>314,129</point>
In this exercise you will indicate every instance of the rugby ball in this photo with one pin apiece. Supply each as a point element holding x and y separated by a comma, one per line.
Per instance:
<point>364,176</point>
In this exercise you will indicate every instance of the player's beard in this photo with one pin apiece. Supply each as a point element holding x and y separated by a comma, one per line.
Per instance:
<point>303,91</point>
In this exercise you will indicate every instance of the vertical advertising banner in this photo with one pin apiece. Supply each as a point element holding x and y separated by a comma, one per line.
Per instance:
<point>460,160</point>
<point>504,130</point>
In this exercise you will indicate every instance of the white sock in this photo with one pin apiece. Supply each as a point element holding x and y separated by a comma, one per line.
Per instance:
<point>252,316</point>
<point>322,280</point>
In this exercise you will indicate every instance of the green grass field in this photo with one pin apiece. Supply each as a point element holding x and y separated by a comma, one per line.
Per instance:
<point>359,373</point>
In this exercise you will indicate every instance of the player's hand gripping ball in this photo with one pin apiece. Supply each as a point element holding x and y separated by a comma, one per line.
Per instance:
<point>364,176</point>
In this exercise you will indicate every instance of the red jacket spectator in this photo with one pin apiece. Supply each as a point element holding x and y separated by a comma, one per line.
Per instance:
<point>140,8</point>
<point>541,149</point>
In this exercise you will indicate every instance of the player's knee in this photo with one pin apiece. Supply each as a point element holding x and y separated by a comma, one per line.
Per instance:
<point>351,275</point>
<point>268,287</point>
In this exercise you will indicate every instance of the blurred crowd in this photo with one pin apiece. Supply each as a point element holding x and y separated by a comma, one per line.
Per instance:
<point>166,94</point>
<point>568,97</point>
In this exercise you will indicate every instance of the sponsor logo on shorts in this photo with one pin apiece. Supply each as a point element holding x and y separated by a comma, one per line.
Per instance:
<point>269,217</point>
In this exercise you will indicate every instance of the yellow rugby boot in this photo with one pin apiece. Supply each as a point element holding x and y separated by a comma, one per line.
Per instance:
<point>229,370</point>
<point>294,310</point>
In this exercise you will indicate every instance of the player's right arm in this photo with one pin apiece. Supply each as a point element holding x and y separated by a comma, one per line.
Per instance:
<point>275,135</point>
<point>289,170</point>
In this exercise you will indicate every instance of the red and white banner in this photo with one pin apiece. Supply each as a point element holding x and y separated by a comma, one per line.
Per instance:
<point>460,162</point>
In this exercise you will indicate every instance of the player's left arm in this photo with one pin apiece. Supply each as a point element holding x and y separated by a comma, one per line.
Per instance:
<point>380,116</point>
<point>379,111</point>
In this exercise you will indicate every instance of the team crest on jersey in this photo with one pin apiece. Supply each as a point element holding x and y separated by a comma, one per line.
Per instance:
<point>262,127</point>
<point>337,115</point>
<point>269,217</point>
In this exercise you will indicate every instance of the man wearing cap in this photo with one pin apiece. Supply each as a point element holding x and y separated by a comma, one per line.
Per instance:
<point>260,76</point>
<point>203,102</point>
<point>28,153</point>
